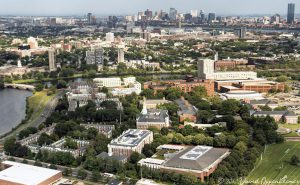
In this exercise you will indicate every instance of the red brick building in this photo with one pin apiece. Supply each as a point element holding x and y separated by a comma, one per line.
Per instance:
<point>184,85</point>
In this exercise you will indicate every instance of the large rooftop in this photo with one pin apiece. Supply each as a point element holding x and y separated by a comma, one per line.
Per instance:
<point>153,115</point>
<point>131,137</point>
<point>26,174</point>
<point>197,158</point>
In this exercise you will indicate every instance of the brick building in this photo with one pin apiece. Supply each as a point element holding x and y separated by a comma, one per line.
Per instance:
<point>200,161</point>
<point>184,85</point>
<point>258,85</point>
<point>13,173</point>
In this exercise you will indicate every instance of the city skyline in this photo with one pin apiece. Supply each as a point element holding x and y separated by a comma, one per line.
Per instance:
<point>121,7</point>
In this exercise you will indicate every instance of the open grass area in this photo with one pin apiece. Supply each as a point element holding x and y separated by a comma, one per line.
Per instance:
<point>290,126</point>
<point>275,164</point>
<point>37,103</point>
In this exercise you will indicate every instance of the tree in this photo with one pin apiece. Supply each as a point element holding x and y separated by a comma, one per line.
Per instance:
<point>95,176</point>
<point>265,108</point>
<point>82,174</point>
<point>134,157</point>
<point>67,172</point>
<point>203,116</point>
<point>109,104</point>
<point>61,84</point>
<point>282,78</point>
<point>1,83</point>
<point>26,132</point>
<point>241,147</point>
<point>52,166</point>
<point>39,87</point>
<point>294,160</point>
<point>44,139</point>
<point>229,107</point>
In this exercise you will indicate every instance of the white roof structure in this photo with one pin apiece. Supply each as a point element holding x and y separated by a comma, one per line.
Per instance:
<point>26,174</point>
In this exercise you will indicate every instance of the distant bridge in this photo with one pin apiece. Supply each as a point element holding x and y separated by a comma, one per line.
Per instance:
<point>20,86</point>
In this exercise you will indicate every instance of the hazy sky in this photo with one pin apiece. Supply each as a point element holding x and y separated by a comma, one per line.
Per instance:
<point>67,7</point>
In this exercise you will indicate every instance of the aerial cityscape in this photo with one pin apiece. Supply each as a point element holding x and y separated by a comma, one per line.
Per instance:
<point>136,92</point>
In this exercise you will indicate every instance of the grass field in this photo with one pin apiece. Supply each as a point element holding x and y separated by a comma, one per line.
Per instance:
<point>275,163</point>
<point>290,126</point>
<point>37,103</point>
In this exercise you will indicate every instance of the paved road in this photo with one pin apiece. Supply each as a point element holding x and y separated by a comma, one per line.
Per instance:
<point>48,110</point>
<point>292,138</point>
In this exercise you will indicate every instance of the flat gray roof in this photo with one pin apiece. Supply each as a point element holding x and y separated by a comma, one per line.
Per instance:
<point>131,137</point>
<point>196,157</point>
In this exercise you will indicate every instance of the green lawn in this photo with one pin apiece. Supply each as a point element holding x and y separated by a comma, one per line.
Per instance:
<point>290,126</point>
<point>275,163</point>
<point>37,103</point>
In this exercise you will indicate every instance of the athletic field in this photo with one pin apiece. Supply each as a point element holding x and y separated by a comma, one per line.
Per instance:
<point>275,165</point>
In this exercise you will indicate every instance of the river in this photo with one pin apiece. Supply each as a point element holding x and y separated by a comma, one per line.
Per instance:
<point>12,108</point>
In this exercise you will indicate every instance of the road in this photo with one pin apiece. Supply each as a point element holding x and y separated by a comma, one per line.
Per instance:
<point>48,110</point>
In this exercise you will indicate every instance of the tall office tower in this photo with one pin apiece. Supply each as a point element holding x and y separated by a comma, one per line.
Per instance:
<point>202,17</point>
<point>173,14</point>
<point>52,61</point>
<point>240,32</point>
<point>95,56</point>
<point>194,13</point>
<point>275,19</point>
<point>110,37</point>
<point>89,18</point>
<point>211,17</point>
<point>148,13</point>
<point>121,58</point>
<point>291,13</point>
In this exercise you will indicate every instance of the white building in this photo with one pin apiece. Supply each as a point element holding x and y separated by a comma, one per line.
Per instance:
<point>128,86</point>
<point>52,61</point>
<point>121,58</point>
<point>108,82</point>
<point>242,95</point>
<point>135,87</point>
<point>132,140</point>
<point>18,173</point>
<point>110,37</point>
<point>31,41</point>
<point>206,70</point>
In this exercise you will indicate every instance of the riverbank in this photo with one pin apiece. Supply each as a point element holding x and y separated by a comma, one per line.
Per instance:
<point>35,105</point>
<point>106,74</point>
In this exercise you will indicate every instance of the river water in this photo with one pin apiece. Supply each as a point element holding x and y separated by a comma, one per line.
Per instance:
<point>12,108</point>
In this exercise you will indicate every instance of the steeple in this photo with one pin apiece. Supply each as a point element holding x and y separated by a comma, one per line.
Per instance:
<point>216,56</point>
<point>144,111</point>
<point>19,63</point>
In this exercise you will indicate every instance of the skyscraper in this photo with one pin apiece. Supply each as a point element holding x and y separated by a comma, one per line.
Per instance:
<point>52,62</point>
<point>194,13</point>
<point>173,14</point>
<point>89,18</point>
<point>291,13</point>
<point>121,58</point>
<point>95,56</point>
<point>211,17</point>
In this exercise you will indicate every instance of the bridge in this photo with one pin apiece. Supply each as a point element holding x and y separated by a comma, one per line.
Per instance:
<point>20,86</point>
